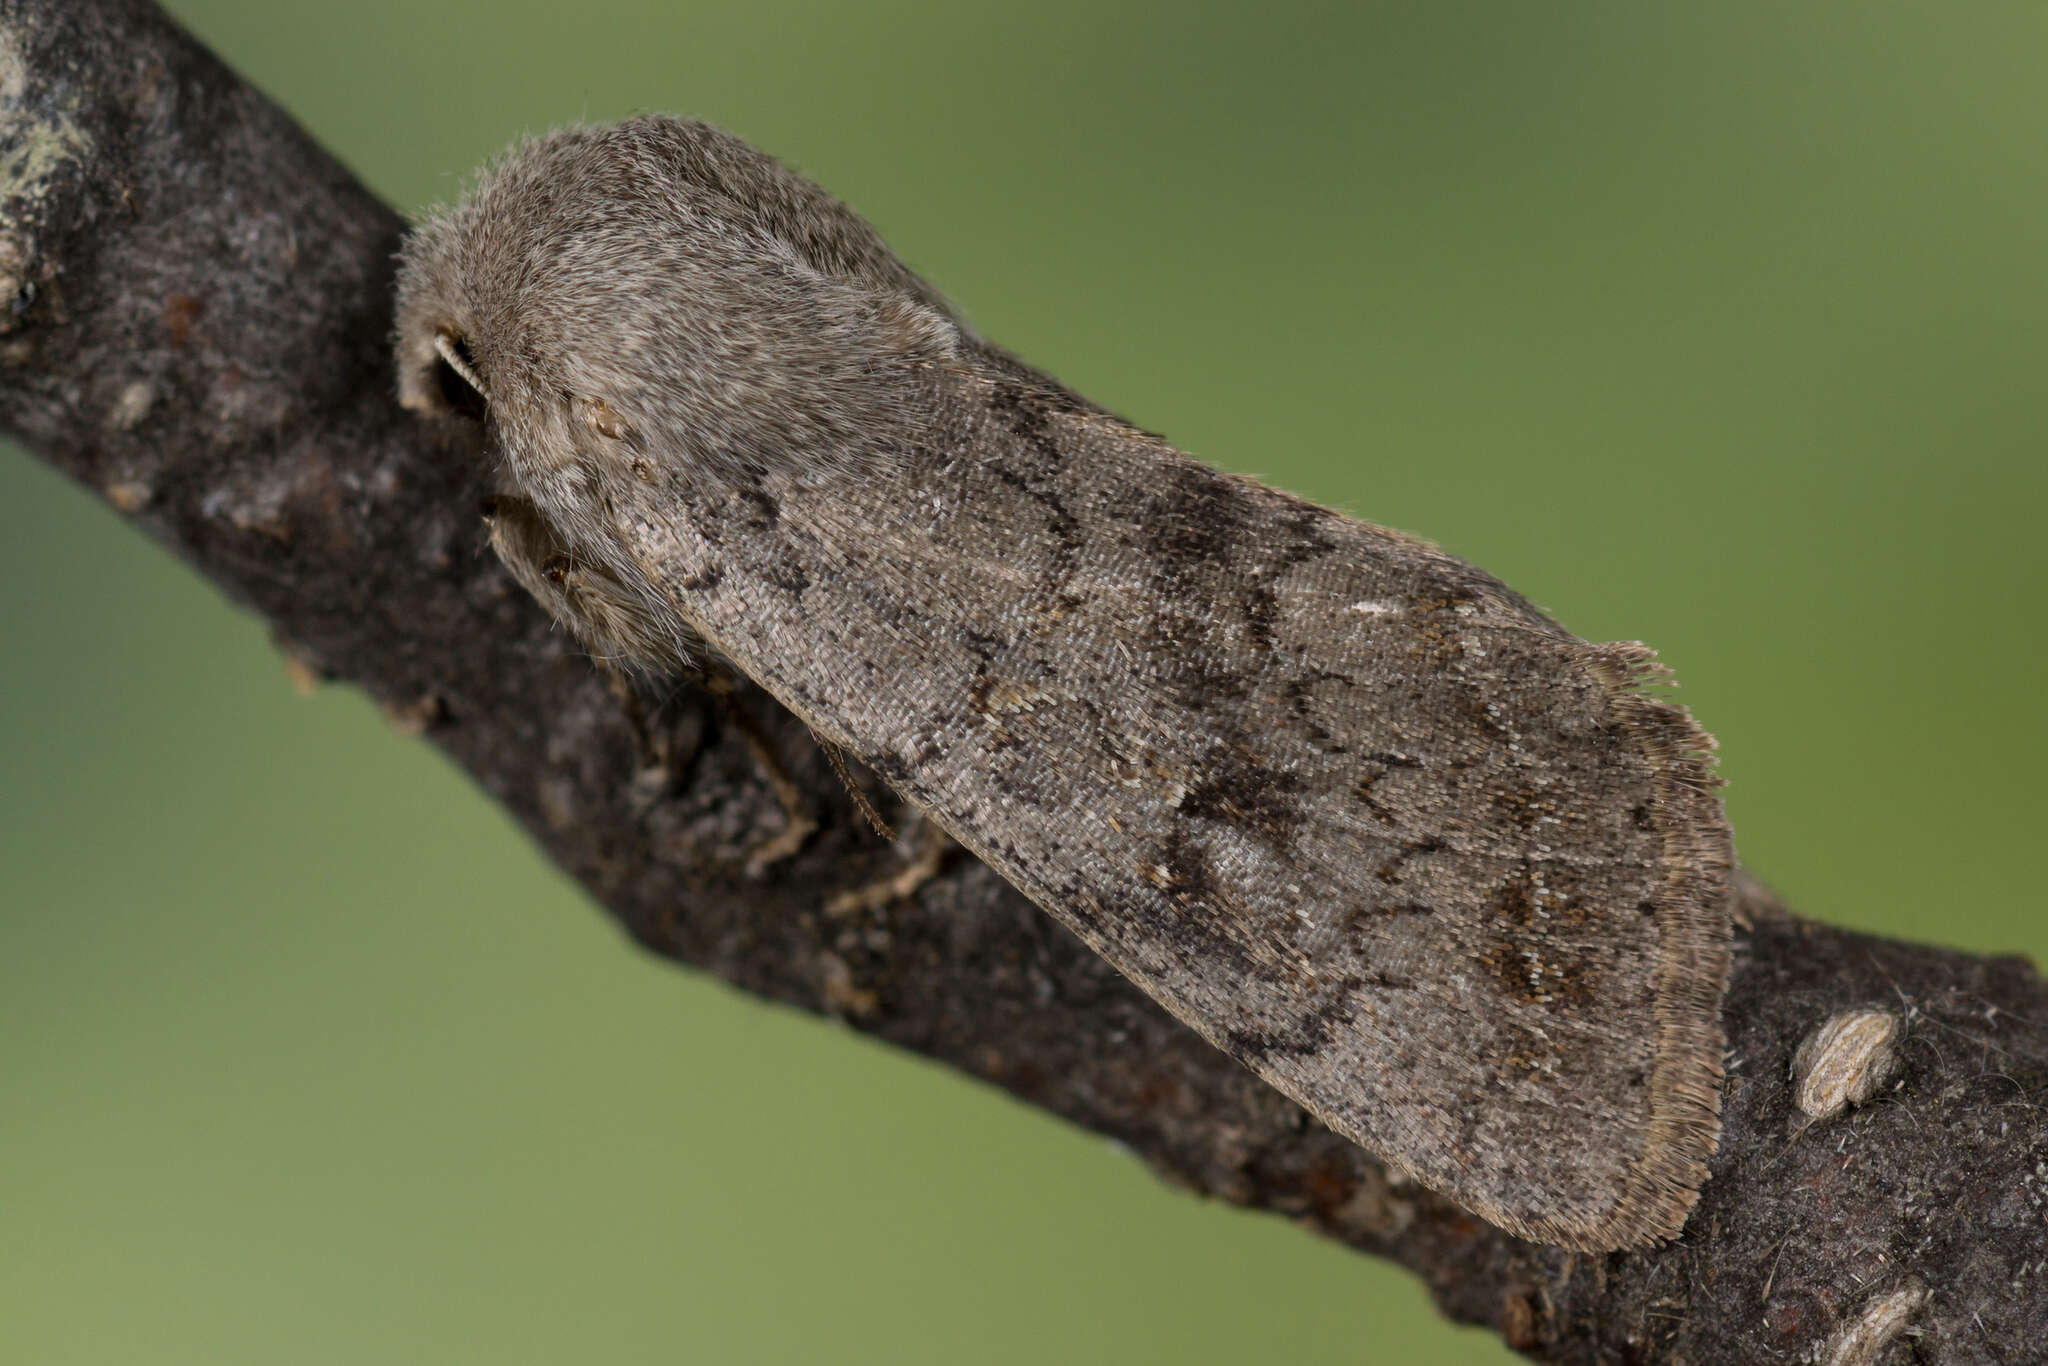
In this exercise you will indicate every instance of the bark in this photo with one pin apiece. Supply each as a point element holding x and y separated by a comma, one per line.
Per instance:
<point>194,319</point>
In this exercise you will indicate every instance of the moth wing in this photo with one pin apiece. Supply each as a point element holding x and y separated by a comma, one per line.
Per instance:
<point>1436,869</point>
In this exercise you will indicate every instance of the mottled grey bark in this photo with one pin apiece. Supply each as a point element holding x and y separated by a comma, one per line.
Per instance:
<point>194,321</point>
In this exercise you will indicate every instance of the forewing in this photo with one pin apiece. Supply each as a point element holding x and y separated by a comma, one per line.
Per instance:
<point>1435,868</point>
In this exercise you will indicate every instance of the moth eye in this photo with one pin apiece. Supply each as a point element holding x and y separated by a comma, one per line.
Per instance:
<point>462,388</point>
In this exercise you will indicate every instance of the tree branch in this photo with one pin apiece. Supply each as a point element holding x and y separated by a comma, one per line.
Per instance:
<point>194,318</point>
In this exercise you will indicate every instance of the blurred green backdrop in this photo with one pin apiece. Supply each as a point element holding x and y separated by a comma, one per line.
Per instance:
<point>1718,326</point>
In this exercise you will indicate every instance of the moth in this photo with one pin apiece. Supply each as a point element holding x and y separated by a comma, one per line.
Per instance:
<point>1451,878</point>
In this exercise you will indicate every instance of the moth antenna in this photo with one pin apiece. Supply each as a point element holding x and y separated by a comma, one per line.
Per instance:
<point>459,363</point>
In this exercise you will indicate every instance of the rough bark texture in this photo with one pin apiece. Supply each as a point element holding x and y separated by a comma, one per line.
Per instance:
<point>196,323</point>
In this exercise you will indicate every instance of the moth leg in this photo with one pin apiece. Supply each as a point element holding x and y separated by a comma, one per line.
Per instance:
<point>614,623</point>
<point>654,744</point>
<point>604,617</point>
<point>837,758</point>
<point>623,636</point>
<point>929,846</point>
<point>798,824</point>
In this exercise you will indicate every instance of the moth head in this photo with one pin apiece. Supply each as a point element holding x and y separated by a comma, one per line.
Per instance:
<point>449,385</point>
<point>658,291</point>
<point>439,372</point>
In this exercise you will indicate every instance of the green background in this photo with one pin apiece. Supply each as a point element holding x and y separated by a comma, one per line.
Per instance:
<point>1718,326</point>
